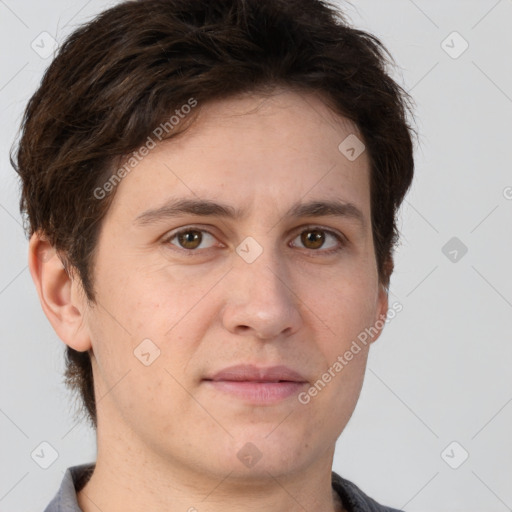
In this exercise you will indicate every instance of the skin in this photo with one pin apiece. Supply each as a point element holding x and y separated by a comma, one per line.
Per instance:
<point>167,440</point>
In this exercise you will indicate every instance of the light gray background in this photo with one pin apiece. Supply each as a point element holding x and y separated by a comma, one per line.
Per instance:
<point>441,370</point>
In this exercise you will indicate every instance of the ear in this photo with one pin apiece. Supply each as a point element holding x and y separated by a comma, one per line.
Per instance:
<point>382,301</point>
<point>60,293</point>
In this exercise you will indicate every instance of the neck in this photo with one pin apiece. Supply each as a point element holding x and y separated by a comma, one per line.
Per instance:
<point>131,478</point>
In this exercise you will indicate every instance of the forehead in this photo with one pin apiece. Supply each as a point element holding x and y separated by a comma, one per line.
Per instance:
<point>249,149</point>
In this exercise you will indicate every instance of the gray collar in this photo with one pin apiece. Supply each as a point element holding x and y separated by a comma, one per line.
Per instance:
<point>75,478</point>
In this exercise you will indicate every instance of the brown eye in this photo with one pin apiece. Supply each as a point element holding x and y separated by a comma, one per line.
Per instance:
<point>312,239</point>
<point>193,240</point>
<point>315,238</point>
<point>190,239</point>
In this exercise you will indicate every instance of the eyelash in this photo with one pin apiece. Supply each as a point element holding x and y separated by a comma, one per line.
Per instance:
<point>193,252</point>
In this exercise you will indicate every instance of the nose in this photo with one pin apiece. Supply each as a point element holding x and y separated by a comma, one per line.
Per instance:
<point>260,299</point>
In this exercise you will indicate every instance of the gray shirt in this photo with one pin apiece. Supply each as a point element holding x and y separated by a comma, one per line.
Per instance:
<point>353,499</point>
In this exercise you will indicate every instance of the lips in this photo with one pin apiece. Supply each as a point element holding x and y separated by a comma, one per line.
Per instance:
<point>257,386</point>
<point>250,373</point>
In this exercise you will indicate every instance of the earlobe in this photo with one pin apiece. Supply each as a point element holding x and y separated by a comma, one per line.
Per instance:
<point>383,297</point>
<point>383,302</point>
<point>58,295</point>
<point>381,312</point>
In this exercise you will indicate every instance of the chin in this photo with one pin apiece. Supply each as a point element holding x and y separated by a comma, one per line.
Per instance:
<point>261,452</point>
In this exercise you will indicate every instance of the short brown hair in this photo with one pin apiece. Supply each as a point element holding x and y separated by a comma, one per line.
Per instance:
<point>124,73</point>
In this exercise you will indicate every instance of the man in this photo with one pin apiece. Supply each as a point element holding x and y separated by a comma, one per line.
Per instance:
<point>211,189</point>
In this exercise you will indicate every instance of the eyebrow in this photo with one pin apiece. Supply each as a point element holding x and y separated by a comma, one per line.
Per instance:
<point>208,208</point>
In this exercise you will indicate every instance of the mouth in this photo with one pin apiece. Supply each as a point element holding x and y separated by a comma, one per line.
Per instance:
<point>257,385</point>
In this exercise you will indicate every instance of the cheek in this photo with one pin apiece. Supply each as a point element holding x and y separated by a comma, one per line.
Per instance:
<point>345,307</point>
<point>151,301</point>
<point>156,311</point>
<point>341,316</point>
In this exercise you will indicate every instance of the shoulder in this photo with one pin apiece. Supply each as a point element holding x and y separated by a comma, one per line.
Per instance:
<point>354,499</point>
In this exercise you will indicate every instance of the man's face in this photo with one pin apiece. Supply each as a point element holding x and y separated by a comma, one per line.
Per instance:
<point>267,286</point>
